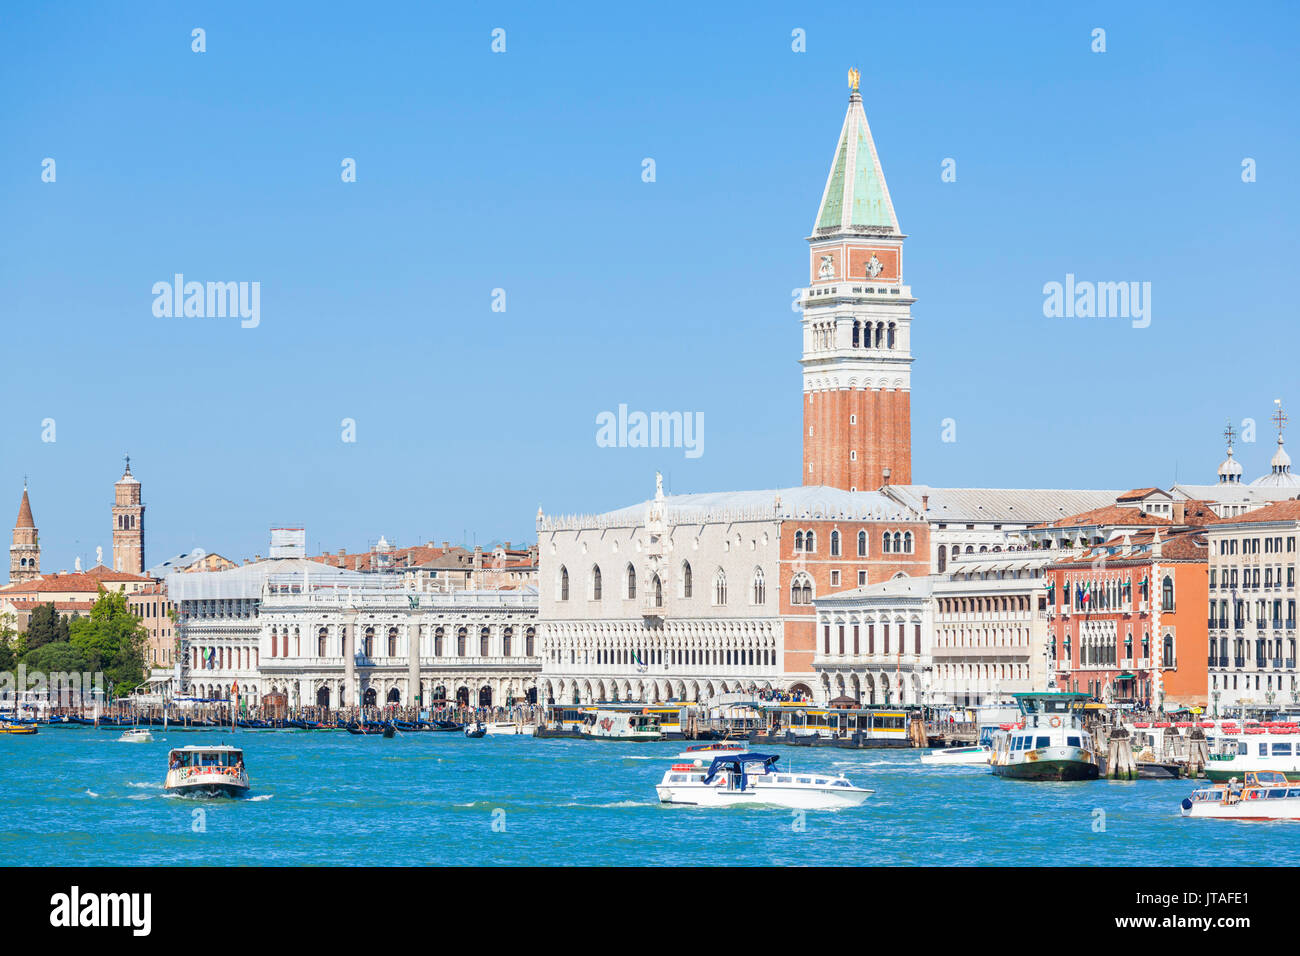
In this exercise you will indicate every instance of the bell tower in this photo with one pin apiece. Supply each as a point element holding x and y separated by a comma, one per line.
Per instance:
<point>25,551</point>
<point>857,325</point>
<point>128,524</point>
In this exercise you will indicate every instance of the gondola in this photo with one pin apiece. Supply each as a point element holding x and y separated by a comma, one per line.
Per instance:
<point>477,730</point>
<point>371,729</point>
<point>446,726</point>
<point>411,726</point>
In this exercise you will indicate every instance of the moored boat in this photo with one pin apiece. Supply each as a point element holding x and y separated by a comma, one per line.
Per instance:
<point>1265,795</point>
<point>622,725</point>
<point>752,778</point>
<point>206,771</point>
<point>958,757</point>
<point>509,728</point>
<point>709,751</point>
<point>1049,743</point>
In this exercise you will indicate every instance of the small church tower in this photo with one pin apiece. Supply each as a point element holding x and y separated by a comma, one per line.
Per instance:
<point>25,551</point>
<point>128,524</point>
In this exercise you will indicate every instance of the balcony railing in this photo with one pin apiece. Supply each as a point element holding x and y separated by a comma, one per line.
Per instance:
<point>1239,662</point>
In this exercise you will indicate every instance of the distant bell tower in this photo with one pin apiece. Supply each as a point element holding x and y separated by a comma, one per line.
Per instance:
<point>128,524</point>
<point>25,551</point>
<point>857,325</point>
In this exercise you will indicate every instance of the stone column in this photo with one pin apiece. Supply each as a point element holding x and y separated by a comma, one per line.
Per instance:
<point>348,693</point>
<point>413,673</point>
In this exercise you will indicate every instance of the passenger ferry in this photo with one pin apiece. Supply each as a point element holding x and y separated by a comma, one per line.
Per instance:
<point>574,720</point>
<point>958,757</point>
<point>752,778</point>
<point>806,725</point>
<point>621,725</point>
<point>1266,795</point>
<point>1272,747</point>
<point>1049,742</point>
<point>21,730</point>
<point>206,771</point>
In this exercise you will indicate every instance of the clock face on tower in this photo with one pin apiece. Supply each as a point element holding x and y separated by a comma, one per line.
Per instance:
<point>874,267</point>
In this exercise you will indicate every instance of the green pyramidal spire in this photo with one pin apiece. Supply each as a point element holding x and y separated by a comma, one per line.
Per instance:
<point>856,198</point>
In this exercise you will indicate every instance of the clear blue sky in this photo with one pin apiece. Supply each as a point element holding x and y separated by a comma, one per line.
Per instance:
<point>522,171</point>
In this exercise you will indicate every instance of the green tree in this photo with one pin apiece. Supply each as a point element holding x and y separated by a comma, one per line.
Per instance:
<point>46,626</point>
<point>112,640</point>
<point>60,656</point>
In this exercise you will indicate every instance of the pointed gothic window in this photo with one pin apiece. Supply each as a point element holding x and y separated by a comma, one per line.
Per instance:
<point>686,579</point>
<point>810,543</point>
<point>760,587</point>
<point>631,583</point>
<point>720,588</point>
<point>798,541</point>
<point>595,582</point>
<point>884,542</point>
<point>562,585</point>
<point>835,544</point>
<point>862,544</point>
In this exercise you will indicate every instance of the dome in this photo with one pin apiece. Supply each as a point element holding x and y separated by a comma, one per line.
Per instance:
<point>1280,476</point>
<point>1230,471</point>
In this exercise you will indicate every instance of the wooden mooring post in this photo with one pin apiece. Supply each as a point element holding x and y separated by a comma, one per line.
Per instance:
<point>1120,764</point>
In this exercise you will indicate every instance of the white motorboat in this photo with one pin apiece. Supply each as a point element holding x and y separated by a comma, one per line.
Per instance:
<point>958,757</point>
<point>752,778</point>
<point>509,728</point>
<point>136,735</point>
<point>706,752</point>
<point>206,771</point>
<point>1266,795</point>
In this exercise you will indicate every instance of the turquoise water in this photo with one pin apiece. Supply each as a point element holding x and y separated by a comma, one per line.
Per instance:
<point>76,796</point>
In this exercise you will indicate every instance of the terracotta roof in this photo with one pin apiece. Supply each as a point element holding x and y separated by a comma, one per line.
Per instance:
<point>1136,493</point>
<point>102,572</point>
<point>1288,510</point>
<point>1195,513</point>
<point>1107,515</point>
<point>25,513</point>
<point>1179,546</point>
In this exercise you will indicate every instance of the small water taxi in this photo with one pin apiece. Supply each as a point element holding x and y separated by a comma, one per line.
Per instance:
<point>1049,742</point>
<point>958,757</point>
<point>137,735</point>
<point>22,730</point>
<point>1266,795</point>
<point>752,778</point>
<point>704,752</point>
<point>206,771</point>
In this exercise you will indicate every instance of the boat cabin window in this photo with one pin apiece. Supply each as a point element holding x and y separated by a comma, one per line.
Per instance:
<point>839,783</point>
<point>1044,742</point>
<point>1275,794</point>
<point>1263,750</point>
<point>1072,741</point>
<point>1241,750</point>
<point>782,779</point>
<point>1282,750</point>
<point>804,780</point>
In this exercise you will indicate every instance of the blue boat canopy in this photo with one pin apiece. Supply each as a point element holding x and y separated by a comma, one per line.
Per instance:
<point>733,762</point>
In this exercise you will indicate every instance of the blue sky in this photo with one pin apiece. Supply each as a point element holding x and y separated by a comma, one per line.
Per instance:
<point>522,171</point>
